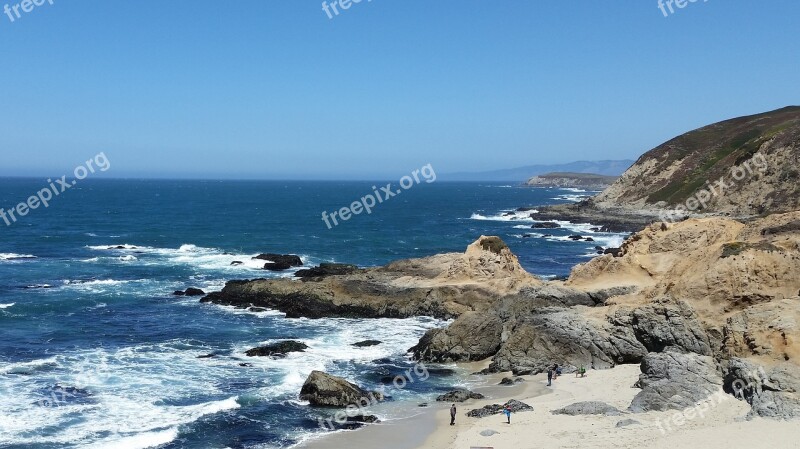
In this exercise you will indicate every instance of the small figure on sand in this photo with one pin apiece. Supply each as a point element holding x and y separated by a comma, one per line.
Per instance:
<point>507,411</point>
<point>453,415</point>
<point>581,371</point>
<point>556,371</point>
<point>549,376</point>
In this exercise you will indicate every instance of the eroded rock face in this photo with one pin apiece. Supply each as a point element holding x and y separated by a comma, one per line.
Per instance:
<point>675,381</point>
<point>473,336</point>
<point>771,393</point>
<point>565,337</point>
<point>322,389</point>
<point>665,325</point>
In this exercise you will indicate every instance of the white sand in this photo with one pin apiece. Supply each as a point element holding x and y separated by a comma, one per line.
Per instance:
<point>720,427</point>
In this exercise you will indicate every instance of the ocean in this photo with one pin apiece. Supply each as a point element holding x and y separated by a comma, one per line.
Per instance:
<point>96,352</point>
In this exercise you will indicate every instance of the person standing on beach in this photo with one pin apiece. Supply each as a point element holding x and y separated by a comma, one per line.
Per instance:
<point>549,376</point>
<point>453,415</point>
<point>507,411</point>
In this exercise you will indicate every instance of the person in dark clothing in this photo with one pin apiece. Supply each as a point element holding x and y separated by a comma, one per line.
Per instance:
<point>453,415</point>
<point>549,376</point>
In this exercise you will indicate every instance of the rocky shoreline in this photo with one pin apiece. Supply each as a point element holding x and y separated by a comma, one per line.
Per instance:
<point>701,305</point>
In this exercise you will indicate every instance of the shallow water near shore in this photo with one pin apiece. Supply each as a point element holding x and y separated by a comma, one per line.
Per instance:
<point>96,352</point>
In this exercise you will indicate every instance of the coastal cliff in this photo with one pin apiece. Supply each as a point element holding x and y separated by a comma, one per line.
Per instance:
<point>572,180</point>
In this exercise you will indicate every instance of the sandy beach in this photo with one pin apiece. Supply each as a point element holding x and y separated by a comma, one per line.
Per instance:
<point>721,426</point>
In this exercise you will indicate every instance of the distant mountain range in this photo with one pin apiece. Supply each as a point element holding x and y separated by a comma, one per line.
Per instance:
<point>522,174</point>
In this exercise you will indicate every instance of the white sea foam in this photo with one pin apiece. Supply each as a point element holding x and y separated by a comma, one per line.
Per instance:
<point>14,256</point>
<point>506,216</point>
<point>6,306</point>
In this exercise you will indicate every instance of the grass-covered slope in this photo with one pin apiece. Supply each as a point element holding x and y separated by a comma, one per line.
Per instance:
<point>758,158</point>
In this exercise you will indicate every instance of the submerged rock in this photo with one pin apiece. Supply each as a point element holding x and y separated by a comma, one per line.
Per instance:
<point>277,349</point>
<point>367,343</point>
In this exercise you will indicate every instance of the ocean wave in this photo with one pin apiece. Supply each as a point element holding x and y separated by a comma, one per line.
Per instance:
<point>207,259</point>
<point>506,216</point>
<point>14,256</point>
<point>6,306</point>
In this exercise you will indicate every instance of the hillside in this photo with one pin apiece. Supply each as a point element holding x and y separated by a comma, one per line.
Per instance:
<point>567,179</point>
<point>744,166</point>
<point>520,174</point>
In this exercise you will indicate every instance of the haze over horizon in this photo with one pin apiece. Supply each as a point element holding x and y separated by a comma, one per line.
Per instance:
<point>278,90</point>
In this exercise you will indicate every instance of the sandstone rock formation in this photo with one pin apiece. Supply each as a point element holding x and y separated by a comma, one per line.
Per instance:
<point>588,408</point>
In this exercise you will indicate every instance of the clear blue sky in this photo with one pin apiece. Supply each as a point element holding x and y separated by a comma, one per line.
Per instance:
<point>274,88</point>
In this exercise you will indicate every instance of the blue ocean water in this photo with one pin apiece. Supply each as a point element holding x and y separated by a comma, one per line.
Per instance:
<point>96,352</point>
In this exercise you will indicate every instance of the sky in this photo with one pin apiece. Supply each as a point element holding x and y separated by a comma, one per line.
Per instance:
<point>278,89</point>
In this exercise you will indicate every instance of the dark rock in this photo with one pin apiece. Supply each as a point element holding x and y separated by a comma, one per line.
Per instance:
<point>588,408</point>
<point>770,394</point>
<point>511,381</point>
<point>246,365</point>
<point>284,259</point>
<point>473,336</point>
<point>575,237</point>
<point>178,293</point>
<point>563,336</point>
<point>191,291</point>
<point>424,404</point>
<point>366,343</point>
<point>206,356</point>
<point>588,239</point>
<point>489,410</point>
<point>616,252</point>
<point>322,389</point>
<point>675,381</point>
<point>257,309</point>
<point>664,325</point>
<point>599,248</point>
<point>277,349</point>
<point>276,266</point>
<point>459,395</point>
<point>546,225</point>
<point>236,263</point>
<point>327,269</point>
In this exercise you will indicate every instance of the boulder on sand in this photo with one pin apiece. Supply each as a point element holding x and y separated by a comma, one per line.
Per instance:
<point>489,410</point>
<point>675,381</point>
<point>459,395</point>
<point>322,389</point>
<point>588,408</point>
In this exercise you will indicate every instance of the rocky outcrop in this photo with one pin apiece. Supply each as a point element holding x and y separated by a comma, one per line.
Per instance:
<point>321,389</point>
<point>327,269</point>
<point>473,336</point>
<point>290,260</point>
<point>574,180</point>
<point>442,286</point>
<point>666,325</point>
<point>675,381</point>
<point>771,393</point>
<point>566,337</point>
<point>191,291</point>
<point>493,409</point>
<point>459,395</point>
<point>588,408</point>
<point>277,349</point>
